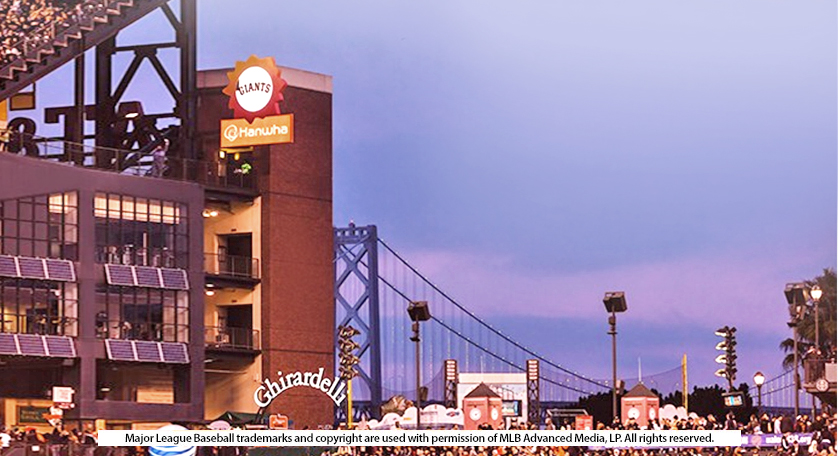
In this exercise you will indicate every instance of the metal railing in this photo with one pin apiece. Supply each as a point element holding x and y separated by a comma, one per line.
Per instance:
<point>814,368</point>
<point>222,337</point>
<point>233,266</point>
<point>142,330</point>
<point>45,325</point>
<point>158,257</point>
<point>217,174</point>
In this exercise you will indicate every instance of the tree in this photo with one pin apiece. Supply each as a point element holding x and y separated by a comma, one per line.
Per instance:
<point>806,326</point>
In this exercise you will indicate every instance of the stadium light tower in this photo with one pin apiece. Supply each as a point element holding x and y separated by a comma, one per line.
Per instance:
<point>728,358</point>
<point>615,302</point>
<point>348,361</point>
<point>797,294</point>
<point>418,311</point>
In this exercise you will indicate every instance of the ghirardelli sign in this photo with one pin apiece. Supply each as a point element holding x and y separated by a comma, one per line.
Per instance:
<point>269,389</point>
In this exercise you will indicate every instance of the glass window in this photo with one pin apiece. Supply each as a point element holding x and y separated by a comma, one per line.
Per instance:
<point>40,226</point>
<point>139,231</point>
<point>142,314</point>
<point>38,307</point>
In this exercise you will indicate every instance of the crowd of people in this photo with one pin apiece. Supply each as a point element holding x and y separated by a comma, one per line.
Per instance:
<point>29,24</point>
<point>822,429</point>
<point>30,435</point>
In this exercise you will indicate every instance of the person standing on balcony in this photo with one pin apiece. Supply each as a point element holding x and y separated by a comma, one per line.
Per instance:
<point>158,164</point>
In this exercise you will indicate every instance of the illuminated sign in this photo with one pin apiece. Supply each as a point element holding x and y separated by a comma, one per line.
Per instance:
<point>255,90</point>
<point>270,130</point>
<point>269,389</point>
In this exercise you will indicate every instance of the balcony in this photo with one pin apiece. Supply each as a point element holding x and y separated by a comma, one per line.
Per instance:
<point>231,270</point>
<point>225,339</point>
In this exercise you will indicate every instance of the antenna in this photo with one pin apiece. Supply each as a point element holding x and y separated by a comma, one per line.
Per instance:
<point>639,371</point>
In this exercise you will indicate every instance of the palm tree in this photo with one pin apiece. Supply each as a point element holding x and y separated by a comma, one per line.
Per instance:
<point>806,326</point>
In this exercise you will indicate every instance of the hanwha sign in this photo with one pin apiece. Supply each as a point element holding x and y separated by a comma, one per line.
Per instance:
<point>255,88</point>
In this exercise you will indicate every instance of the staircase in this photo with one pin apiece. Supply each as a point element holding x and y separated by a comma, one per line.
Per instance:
<point>56,44</point>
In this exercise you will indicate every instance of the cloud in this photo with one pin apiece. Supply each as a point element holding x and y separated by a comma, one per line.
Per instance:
<point>700,290</point>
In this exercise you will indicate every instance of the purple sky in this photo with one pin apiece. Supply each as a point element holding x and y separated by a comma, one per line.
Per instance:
<point>543,153</point>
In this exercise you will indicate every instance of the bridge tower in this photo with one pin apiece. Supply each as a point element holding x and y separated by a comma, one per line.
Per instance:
<point>357,305</point>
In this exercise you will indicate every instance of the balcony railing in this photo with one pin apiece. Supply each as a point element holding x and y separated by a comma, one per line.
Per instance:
<point>44,325</point>
<point>815,368</point>
<point>231,266</point>
<point>142,330</point>
<point>211,173</point>
<point>225,338</point>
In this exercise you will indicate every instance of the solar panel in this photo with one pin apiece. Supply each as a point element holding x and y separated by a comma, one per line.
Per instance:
<point>120,350</point>
<point>60,346</point>
<point>8,344</point>
<point>148,351</point>
<point>174,279</point>
<point>8,266</point>
<point>31,345</point>
<point>119,274</point>
<point>61,270</point>
<point>32,268</point>
<point>174,353</point>
<point>147,277</point>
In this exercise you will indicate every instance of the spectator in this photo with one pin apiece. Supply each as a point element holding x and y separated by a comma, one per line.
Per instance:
<point>5,438</point>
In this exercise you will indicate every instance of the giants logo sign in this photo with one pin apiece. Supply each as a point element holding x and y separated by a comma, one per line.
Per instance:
<point>255,90</point>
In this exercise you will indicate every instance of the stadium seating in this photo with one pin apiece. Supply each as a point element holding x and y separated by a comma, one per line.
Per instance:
<point>38,36</point>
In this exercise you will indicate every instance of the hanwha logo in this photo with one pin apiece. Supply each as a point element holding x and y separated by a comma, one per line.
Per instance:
<point>231,133</point>
<point>255,88</point>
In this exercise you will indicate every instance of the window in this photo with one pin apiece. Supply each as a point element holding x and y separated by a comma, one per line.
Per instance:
<point>135,313</point>
<point>141,231</point>
<point>38,307</point>
<point>44,226</point>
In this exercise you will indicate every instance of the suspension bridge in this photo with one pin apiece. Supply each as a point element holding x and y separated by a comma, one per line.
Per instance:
<point>373,287</point>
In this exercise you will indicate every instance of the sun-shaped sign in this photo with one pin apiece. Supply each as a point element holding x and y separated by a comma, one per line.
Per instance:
<point>255,88</point>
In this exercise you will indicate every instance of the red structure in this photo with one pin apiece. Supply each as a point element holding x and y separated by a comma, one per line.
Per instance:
<point>483,406</point>
<point>640,404</point>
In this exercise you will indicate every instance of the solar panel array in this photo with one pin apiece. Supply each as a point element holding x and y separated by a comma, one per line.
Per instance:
<point>8,344</point>
<point>118,274</point>
<point>146,352</point>
<point>175,353</point>
<point>32,268</point>
<point>145,276</point>
<point>120,350</point>
<point>148,277</point>
<point>37,345</point>
<point>37,268</point>
<point>174,279</point>
<point>60,270</point>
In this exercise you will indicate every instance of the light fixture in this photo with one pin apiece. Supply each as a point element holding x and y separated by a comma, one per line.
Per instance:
<point>222,154</point>
<point>759,380</point>
<point>207,213</point>
<point>130,109</point>
<point>419,311</point>
<point>615,302</point>
<point>816,293</point>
